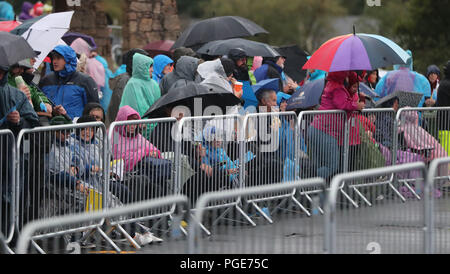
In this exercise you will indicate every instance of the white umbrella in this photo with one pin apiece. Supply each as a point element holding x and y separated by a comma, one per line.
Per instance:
<point>45,34</point>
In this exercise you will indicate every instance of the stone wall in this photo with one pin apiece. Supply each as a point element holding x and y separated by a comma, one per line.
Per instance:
<point>146,21</point>
<point>89,18</point>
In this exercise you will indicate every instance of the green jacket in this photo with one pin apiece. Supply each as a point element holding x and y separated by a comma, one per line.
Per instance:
<point>141,91</point>
<point>36,95</point>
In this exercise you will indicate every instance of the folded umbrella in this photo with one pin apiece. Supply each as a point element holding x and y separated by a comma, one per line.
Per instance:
<point>356,52</point>
<point>44,33</point>
<point>217,28</point>
<point>186,96</point>
<point>251,48</point>
<point>307,96</point>
<point>13,49</point>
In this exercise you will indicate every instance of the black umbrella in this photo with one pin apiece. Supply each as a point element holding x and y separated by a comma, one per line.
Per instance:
<point>13,49</point>
<point>185,96</point>
<point>251,48</point>
<point>295,59</point>
<point>217,28</point>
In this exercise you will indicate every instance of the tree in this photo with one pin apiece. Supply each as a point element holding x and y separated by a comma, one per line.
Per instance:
<point>425,32</point>
<point>302,22</point>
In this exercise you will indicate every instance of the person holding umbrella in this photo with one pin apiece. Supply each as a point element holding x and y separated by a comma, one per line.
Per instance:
<point>325,132</point>
<point>68,89</point>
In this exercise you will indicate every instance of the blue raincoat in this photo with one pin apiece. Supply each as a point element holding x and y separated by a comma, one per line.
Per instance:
<point>403,78</point>
<point>160,62</point>
<point>6,11</point>
<point>69,88</point>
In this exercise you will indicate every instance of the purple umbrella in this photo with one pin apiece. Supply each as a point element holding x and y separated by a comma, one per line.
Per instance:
<point>72,36</point>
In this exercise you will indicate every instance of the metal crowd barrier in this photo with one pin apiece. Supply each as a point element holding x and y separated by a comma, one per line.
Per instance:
<point>437,212</point>
<point>293,234</point>
<point>62,170</point>
<point>422,136</point>
<point>391,227</point>
<point>58,246</point>
<point>208,156</point>
<point>270,153</point>
<point>369,145</point>
<point>318,153</point>
<point>7,185</point>
<point>142,154</point>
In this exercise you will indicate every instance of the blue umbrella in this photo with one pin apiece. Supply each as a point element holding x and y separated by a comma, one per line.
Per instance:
<point>265,84</point>
<point>248,95</point>
<point>307,96</point>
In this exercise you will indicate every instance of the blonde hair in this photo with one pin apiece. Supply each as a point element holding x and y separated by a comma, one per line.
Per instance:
<point>82,63</point>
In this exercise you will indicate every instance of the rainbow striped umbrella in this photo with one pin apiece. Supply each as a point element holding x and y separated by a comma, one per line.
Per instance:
<point>357,52</point>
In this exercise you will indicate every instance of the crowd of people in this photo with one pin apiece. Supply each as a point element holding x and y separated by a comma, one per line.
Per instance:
<point>77,86</point>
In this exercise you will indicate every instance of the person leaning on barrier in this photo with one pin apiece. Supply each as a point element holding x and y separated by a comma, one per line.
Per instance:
<point>326,132</point>
<point>87,156</point>
<point>140,157</point>
<point>267,168</point>
<point>443,100</point>
<point>62,171</point>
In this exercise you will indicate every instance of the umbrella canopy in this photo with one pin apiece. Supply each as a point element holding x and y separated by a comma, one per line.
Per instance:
<point>13,49</point>
<point>185,96</point>
<point>405,98</point>
<point>251,48</point>
<point>265,84</point>
<point>307,96</point>
<point>160,47</point>
<point>356,52</point>
<point>44,33</point>
<point>217,28</point>
<point>367,91</point>
<point>295,59</point>
<point>9,25</point>
<point>69,37</point>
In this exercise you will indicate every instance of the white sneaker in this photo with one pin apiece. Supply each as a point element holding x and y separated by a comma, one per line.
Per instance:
<point>143,239</point>
<point>154,238</point>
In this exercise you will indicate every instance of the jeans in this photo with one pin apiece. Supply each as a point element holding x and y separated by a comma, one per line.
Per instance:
<point>324,152</point>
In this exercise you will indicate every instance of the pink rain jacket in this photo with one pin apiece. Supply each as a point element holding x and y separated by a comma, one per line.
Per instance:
<point>131,148</point>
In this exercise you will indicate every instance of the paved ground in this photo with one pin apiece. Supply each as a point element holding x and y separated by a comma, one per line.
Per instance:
<point>390,226</point>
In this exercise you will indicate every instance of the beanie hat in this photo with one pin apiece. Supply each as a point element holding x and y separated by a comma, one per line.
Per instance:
<point>60,120</point>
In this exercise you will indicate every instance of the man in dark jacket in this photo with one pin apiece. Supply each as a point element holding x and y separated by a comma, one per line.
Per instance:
<point>443,100</point>
<point>273,68</point>
<point>239,58</point>
<point>67,87</point>
<point>443,97</point>
<point>119,84</point>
